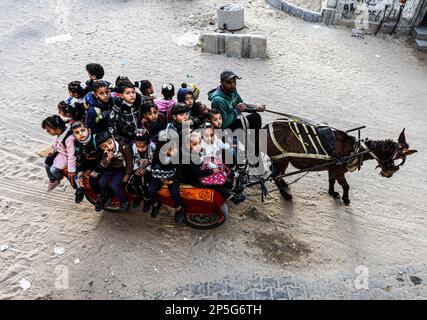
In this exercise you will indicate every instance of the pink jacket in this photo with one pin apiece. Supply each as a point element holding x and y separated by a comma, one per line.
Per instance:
<point>165,106</point>
<point>66,157</point>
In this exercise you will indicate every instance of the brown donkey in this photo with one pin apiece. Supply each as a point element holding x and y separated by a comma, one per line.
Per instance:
<point>284,147</point>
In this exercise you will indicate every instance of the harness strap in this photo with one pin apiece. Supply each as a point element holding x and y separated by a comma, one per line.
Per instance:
<point>370,152</point>
<point>285,154</point>
<point>318,140</point>
<point>300,137</point>
<point>311,139</point>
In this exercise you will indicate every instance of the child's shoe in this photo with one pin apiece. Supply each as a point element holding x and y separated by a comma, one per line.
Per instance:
<point>147,205</point>
<point>180,215</point>
<point>136,202</point>
<point>80,194</point>
<point>101,203</point>
<point>52,185</point>
<point>155,210</point>
<point>124,206</point>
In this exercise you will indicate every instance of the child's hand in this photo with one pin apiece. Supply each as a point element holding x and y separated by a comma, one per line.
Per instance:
<point>215,170</point>
<point>71,176</point>
<point>110,155</point>
<point>125,178</point>
<point>94,174</point>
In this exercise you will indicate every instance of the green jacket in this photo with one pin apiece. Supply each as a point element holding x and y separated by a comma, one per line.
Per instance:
<point>226,104</point>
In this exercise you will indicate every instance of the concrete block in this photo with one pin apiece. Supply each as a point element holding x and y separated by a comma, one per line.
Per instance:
<point>328,16</point>
<point>209,42</point>
<point>258,47</point>
<point>233,46</point>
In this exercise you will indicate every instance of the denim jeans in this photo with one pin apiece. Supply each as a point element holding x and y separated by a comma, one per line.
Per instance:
<point>53,173</point>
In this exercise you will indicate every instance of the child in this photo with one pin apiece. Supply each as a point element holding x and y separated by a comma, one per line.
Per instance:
<point>88,159</point>
<point>180,117</point>
<point>142,156</point>
<point>117,164</point>
<point>152,120</point>
<point>198,110</point>
<point>64,113</point>
<point>215,118</point>
<point>211,144</point>
<point>194,171</point>
<point>95,72</point>
<point>146,89</point>
<point>64,151</point>
<point>165,104</point>
<point>163,171</point>
<point>75,101</point>
<point>126,115</point>
<point>99,104</point>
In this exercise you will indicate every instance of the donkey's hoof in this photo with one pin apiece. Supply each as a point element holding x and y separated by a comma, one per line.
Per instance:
<point>286,196</point>
<point>335,195</point>
<point>346,201</point>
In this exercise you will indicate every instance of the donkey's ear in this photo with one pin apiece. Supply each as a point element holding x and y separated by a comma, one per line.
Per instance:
<point>409,152</point>
<point>402,138</point>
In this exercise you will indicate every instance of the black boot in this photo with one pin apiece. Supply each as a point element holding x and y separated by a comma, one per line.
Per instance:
<point>155,210</point>
<point>101,203</point>
<point>147,205</point>
<point>136,202</point>
<point>80,194</point>
<point>124,206</point>
<point>180,215</point>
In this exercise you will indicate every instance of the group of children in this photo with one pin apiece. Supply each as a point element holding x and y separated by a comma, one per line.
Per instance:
<point>121,136</point>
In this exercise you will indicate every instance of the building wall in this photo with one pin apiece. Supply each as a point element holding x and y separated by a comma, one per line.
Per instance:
<point>367,14</point>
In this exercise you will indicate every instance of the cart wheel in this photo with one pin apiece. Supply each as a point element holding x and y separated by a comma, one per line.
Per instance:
<point>207,221</point>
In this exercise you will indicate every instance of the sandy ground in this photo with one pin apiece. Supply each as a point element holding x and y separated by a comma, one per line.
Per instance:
<point>321,72</point>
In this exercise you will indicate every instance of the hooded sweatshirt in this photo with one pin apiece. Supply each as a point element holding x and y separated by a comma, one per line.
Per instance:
<point>98,113</point>
<point>226,104</point>
<point>165,107</point>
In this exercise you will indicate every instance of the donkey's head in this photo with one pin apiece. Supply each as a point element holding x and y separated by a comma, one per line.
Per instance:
<point>388,152</point>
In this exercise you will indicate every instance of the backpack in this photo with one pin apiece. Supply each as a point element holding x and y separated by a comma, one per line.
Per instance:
<point>219,178</point>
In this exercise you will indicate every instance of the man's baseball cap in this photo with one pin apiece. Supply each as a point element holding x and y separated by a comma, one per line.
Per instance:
<point>228,75</point>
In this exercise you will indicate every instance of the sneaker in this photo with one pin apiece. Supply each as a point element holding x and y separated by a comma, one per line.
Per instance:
<point>238,198</point>
<point>180,215</point>
<point>80,194</point>
<point>147,205</point>
<point>124,206</point>
<point>101,203</point>
<point>52,185</point>
<point>155,210</point>
<point>136,202</point>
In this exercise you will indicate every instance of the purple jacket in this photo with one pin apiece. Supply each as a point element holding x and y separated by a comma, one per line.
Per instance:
<point>165,107</point>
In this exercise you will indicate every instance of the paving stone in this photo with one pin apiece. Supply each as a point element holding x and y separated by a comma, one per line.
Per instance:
<point>199,289</point>
<point>226,296</point>
<point>286,281</point>
<point>253,283</point>
<point>216,287</point>
<point>280,293</point>
<point>296,292</point>
<point>248,295</point>
<point>269,282</point>
<point>263,294</point>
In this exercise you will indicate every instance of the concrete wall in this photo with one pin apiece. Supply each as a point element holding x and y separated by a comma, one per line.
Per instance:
<point>367,14</point>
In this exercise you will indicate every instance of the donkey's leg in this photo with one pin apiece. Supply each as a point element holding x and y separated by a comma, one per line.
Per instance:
<point>331,190</point>
<point>345,187</point>
<point>278,169</point>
